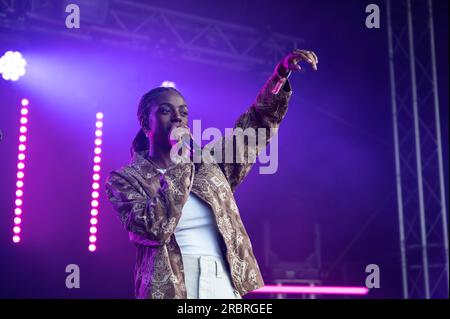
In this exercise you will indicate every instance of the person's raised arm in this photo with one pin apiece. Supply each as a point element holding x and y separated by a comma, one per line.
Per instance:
<point>266,113</point>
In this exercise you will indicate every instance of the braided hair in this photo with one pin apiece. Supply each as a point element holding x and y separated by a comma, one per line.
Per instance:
<point>141,143</point>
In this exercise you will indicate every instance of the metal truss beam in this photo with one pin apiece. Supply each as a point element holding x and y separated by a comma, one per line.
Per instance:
<point>140,26</point>
<point>421,195</point>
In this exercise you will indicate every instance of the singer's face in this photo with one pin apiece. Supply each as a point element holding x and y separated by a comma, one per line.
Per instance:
<point>169,110</point>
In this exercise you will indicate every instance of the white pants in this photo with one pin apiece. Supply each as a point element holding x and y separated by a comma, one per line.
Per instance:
<point>208,277</point>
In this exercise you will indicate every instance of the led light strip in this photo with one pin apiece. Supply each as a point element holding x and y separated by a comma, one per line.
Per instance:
<point>96,182</point>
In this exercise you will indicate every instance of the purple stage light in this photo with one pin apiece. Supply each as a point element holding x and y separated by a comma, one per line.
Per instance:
<point>95,185</point>
<point>12,65</point>
<point>20,168</point>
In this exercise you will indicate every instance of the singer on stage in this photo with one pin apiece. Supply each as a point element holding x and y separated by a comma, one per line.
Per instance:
<point>182,216</point>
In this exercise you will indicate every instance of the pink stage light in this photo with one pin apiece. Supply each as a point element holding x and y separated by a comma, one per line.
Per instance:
<point>312,290</point>
<point>95,185</point>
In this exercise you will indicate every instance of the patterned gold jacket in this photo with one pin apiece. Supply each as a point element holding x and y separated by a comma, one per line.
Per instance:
<point>149,204</point>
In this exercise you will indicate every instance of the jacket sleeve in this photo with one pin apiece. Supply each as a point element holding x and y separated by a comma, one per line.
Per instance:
<point>266,112</point>
<point>150,220</point>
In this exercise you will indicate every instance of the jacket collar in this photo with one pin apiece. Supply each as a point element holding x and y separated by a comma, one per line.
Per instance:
<point>145,167</point>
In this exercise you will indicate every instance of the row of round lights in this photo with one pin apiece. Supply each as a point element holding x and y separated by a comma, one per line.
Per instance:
<point>20,170</point>
<point>96,182</point>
